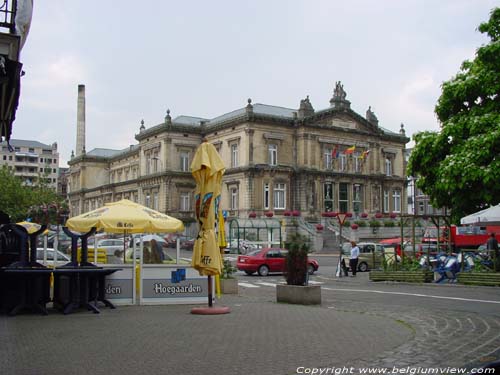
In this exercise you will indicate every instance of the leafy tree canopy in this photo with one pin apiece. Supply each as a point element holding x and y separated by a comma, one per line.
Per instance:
<point>16,199</point>
<point>459,167</point>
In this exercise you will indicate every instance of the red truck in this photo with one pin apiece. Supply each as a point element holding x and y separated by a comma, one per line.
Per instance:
<point>460,237</point>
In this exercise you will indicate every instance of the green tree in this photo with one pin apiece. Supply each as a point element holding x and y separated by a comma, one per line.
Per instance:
<point>16,199</point>
<point>459,166</point>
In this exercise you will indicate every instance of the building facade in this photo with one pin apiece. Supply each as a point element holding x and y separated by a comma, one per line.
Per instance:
<point>277,159</point>
<point>31,160</point>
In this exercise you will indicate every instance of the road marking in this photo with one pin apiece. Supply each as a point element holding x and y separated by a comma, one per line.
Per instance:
<point>315,282</point>
<point>266,284</point>
<point>247,285</point>
<point>411,294</point>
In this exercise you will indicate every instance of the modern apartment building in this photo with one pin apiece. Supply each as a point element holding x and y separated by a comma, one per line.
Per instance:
<point>277,159</point>
<point>31,160</point>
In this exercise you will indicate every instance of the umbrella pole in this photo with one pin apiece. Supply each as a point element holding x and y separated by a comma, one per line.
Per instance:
<point>209,291</point>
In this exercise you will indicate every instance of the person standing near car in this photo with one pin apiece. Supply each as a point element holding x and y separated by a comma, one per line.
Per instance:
<point>353,260</point>
<point>492,246</point>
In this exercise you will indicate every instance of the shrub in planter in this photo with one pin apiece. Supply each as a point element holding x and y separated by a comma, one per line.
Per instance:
<point>374,224</point>
<point>389,224</point>
<point>227,270</point>
<point>347,223</point>
<point>361,223</point>
<point>296,260</point>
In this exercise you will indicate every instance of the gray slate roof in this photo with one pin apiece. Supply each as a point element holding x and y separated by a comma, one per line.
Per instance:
<point>26,143</point>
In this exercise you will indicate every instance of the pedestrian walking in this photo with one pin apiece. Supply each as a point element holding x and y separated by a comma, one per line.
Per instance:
<point>353,260</point>
<point>492,247</point>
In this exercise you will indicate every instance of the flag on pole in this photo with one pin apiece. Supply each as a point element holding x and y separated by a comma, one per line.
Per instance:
<point>335,153</point>
<point>365,154</point>
<point>350,150</point>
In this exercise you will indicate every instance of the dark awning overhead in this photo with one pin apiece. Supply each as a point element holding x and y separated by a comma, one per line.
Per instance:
<point>10,85</point>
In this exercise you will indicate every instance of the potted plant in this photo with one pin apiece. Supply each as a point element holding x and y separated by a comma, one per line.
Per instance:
<point>297,290</point>
<point>228,283</point>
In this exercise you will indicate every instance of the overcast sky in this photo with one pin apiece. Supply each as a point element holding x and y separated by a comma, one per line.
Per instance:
<point>206,58</point>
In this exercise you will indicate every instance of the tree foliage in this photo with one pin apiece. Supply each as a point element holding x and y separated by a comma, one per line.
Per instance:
<point>459,166</point>
<point>16,198</point>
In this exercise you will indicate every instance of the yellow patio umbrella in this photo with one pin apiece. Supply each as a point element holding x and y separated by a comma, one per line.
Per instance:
<point>125,216</point>
<point>207,169</point>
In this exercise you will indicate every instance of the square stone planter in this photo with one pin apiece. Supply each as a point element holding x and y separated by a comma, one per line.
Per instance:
<point>300,295</point>
<point>229,286</point>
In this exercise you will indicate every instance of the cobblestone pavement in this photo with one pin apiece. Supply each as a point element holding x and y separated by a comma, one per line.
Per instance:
<point>259,336</point>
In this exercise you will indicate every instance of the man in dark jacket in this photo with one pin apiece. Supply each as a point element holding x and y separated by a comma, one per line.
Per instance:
<point>492,247</point>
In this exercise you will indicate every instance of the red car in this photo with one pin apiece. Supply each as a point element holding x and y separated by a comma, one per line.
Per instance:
<point>268,260</point>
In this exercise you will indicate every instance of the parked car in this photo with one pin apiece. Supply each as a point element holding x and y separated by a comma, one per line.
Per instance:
<point>111,246</point>
<point>187,243</point>
<point>270,259</point>
<point>371,255</point>
<point>61,257</point>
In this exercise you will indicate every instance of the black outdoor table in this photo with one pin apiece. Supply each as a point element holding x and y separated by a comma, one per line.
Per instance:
<point>25,288</point>
<point>76,287</point>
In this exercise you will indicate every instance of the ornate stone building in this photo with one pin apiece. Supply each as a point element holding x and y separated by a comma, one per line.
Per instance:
<point>277,159</point>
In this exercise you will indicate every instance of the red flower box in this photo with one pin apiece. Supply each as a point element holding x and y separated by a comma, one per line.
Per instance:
<point>354,226</point>
<point>269,214</point>
<point>325,214</point>
<point>348,214</point>
<point>364,215</point>
<point>319,227</point>
<point>378,215</point>
<point>252,215</point>
<point>287,213</point>
<point>295,213</point>
<point>332,214</point>
<point>393,215</point>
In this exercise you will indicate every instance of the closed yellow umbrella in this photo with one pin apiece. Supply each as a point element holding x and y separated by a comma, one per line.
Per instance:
<point>125,216</point>
<point>32,227</point>
<point>207,169</point>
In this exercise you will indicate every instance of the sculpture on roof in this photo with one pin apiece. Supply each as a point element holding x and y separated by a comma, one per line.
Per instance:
<point>305,108</point>
<point>370,116</point>
<point>339,97</point>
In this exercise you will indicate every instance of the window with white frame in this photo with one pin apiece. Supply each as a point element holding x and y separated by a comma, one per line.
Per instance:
<point>388,166</point>
<point>273,154</point>
<point>279,195</point>
<point>328,197</point>
<point>155,201</point>
<point>396,200</point>
<point>343,197</point>
<point>357,163</point>
<point>357,198</point>
<point>184,161</point>
<point>327,158</point>
<point>147,200</point>
<point>386,201</point>
<point>148,163</point>
<point>266,196</point>
<point>184,201</point>
<point>343,162</point>
<point>234,155</point>
<point>234,198</point>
